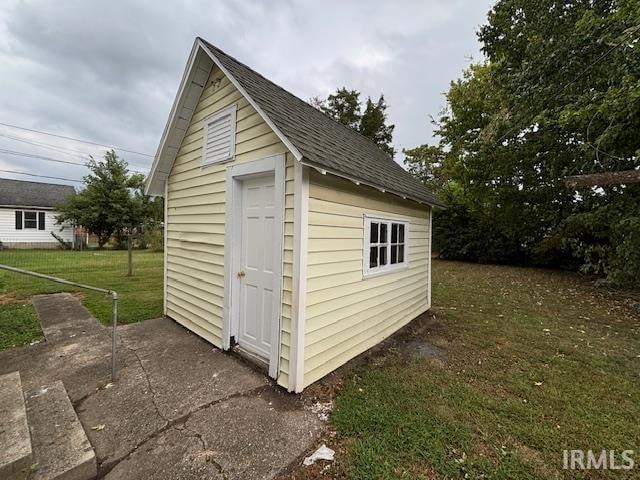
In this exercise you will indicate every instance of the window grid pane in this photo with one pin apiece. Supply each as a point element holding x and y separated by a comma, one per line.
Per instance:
<point>373,257</point>
<point>374,233</point>
<point>383,233</point>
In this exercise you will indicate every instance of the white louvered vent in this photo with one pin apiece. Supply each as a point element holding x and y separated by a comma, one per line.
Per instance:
<point>219,136</point>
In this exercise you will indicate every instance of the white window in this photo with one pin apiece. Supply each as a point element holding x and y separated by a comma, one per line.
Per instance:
<point>219,136</point>
<point>31,220</point>
<point>385,245</point>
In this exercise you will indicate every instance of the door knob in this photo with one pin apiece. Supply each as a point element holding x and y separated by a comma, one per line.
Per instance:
<point>241,273</point>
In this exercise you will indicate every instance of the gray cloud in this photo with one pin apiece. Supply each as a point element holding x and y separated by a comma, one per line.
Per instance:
<point>108,71</point>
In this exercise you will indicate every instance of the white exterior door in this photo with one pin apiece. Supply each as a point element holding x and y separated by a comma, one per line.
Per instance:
<point>257,278</point>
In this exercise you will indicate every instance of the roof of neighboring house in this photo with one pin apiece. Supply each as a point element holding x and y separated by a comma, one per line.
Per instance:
<point>32,194</point>
<point>315,138</point>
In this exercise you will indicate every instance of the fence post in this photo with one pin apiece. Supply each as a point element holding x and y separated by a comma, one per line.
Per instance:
<point>129,255</point>
<point>114,324</point>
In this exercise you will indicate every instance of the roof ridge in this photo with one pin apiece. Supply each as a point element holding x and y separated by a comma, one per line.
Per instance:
<point>307,104</point>
<point>319,138</point>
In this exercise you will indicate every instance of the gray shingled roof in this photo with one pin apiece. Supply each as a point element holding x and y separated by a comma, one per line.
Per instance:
<point>32,194</point>
<point>323,142</point>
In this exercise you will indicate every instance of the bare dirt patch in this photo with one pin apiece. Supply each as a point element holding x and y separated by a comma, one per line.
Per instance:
<point>10,299</point>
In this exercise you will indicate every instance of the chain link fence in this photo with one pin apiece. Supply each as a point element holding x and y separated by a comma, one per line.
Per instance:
<point>134,272</point>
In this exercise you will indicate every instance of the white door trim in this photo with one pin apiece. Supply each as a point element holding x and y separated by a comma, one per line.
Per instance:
<point>232,246</point>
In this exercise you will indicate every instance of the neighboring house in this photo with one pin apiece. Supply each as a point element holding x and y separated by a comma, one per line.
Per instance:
<point>288,236</point>
<point>27,215</point>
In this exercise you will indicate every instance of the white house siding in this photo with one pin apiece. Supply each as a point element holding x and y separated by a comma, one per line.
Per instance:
<point>196,217</point>
<point>31,238</point>
<point>346,314</point>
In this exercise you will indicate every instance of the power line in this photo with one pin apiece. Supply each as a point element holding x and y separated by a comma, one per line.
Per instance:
<point>39,157</point>
<point>49,159</point>
<point>41,176</point>
<point>88,142</point>
<point>48,146</point>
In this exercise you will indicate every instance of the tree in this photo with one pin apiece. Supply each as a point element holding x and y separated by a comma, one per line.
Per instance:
<point>112,202</point>
<point>426,163</point>
<point>373,124</point>
<point>345,107</point>
<point>558,95</point>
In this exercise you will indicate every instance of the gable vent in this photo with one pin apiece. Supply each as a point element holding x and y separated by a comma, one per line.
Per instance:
<point>220,136</point>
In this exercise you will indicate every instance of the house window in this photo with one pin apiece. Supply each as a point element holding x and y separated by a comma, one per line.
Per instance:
<point>385,246</point>
<point>30,220</point>
<point>219,142</point>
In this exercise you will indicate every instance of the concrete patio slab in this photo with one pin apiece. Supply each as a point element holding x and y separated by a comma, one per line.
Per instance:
<point>176,454</point>
<point>269,431</point>
<point>188,372</point>
<point>180,408</point>
<point>248,436</point>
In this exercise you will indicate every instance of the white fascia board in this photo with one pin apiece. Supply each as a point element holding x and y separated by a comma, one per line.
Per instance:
<point>171,123</point>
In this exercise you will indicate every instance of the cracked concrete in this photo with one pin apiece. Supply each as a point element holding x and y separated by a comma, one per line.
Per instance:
<point>180,408</point>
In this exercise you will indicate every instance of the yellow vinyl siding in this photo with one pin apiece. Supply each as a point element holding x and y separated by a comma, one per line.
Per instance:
<point>196,217</point>
<point>346,314</point>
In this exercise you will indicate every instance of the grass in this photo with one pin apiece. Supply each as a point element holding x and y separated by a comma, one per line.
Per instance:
<point>534,362</point>
<point>18,325</point>
<point>140,296</point>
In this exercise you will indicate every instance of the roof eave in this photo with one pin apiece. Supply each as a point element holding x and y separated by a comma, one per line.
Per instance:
<point>161,153</point>
<point>358,181</point>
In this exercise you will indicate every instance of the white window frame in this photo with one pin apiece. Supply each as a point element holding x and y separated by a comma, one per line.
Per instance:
<point>368,271</point>
<point>231,110</point>
<point>24,220</point>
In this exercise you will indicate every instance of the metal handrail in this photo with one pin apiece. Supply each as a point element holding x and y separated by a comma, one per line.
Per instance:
<point>114,306</point>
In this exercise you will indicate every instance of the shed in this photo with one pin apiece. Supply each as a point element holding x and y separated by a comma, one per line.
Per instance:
<point>288,236</point>
<point>27,214</point>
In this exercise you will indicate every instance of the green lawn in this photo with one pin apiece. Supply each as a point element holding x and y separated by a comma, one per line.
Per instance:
<point>18,324</point>
<point>140,296</point>
<point>534,362</point>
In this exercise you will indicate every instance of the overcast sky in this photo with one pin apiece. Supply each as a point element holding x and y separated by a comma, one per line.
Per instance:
<point>108,71</point>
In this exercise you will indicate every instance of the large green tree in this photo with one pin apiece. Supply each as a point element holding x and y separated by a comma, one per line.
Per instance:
<point>112,201</point>
<point>558,95</point>
<point>369,120</point>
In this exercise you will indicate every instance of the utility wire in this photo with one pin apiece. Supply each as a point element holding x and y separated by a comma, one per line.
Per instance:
<point>64,150</point>
<point>88,142</point>
<point>41,176</point>
<point>39,157</point>
<point>50,159</point>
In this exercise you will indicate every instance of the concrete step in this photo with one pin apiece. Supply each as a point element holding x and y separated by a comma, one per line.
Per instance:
<point>15,441</point>
<point>60,445</point>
